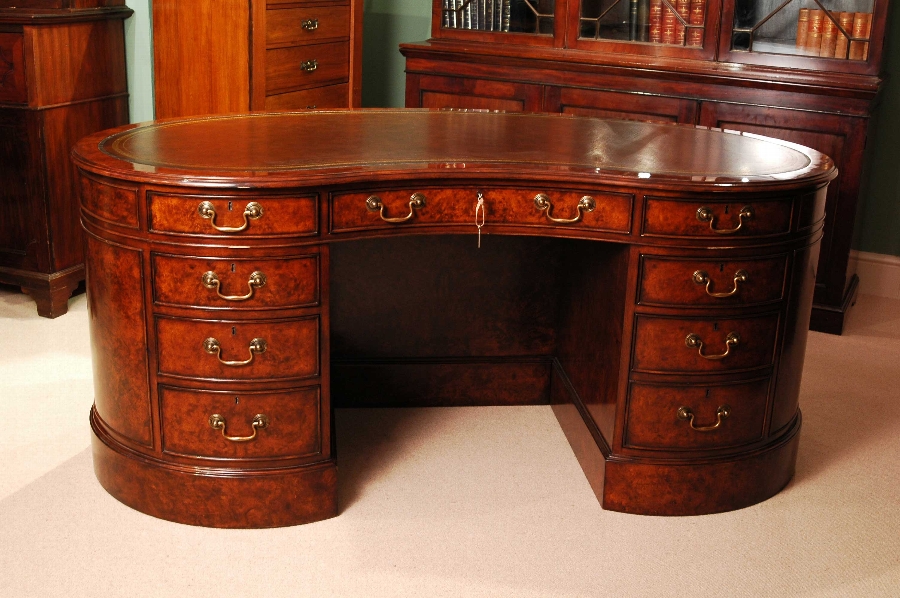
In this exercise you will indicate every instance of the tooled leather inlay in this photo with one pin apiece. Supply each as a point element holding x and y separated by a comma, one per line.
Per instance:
<point>454,139</point>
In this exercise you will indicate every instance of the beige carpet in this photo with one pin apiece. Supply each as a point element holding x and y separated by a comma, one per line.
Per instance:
<point>456,501</point>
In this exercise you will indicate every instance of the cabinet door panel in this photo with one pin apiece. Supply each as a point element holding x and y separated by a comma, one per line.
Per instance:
<point>21,214</point>
<point>621,105</point>
<point>841,138</point>
<point>447,92</point>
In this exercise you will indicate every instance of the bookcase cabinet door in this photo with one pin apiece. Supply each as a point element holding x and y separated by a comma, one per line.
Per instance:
<point>621,105</point>
<point>457,92</point>
<point>842,138</point>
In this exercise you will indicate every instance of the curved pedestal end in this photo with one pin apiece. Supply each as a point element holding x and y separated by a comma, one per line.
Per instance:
<point>701,488</point>
<point>225,498</point>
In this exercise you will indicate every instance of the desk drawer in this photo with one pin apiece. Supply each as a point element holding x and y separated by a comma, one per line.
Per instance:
<point>691,345</point>
<point>239,350</point>
<point>236,283</point>
<point>288,423</point>
<point>306,24</point>
<point>234,216</point>
<point>695,417</point>
<point>704,218</point>
<point>687,282</point>
<point>309,65</point>
<point>12,68</point>
<point>356,211</point>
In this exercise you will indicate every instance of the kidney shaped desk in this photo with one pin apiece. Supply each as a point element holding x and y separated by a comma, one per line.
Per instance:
<point>247,274</point>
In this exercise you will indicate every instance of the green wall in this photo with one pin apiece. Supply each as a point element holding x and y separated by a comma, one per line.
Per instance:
<point>388,23</point>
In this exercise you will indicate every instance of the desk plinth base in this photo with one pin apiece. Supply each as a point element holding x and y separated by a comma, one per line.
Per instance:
<point>701,487</point>
<point>226,498</point>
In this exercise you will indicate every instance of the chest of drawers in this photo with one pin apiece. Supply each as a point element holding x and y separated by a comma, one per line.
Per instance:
<point>62,76</point>
<point>234,303</point>
<point>223,56</point>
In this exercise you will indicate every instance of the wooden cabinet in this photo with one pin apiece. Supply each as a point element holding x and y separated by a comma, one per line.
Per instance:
<point>746,65</point>
<point>62,76</point>
<point>223,56</point>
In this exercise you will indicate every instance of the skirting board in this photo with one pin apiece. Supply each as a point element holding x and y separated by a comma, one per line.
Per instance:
<point>879,274</point>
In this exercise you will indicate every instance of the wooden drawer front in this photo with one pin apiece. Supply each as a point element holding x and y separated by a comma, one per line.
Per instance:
<point>660,344</point>
<point>292,423</point>
<point>250,283</point>
<point>661,417</point>
<point>330,96</point>
<point>279,216</point>
<point>664,217</point>
<point>307,66</point>
<point>682,281</point>
<point>12,68</point>
<point>627,106</point>
<point>307,24</point>
<point>612,211</point>
<point>291,348</point>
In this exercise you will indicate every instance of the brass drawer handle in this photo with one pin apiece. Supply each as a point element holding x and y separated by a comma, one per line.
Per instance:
<point>701,277</point>
<point>721,413</point>
<point>585,204</point>
<point>213,347</point>
<point>704,214</point>
<point>693,342</point>
<point>416,201</point>
<point>309,65</point>
<point>211,281</point>
<point>310,24</point>
<point>207,210</point>
<point>217,422</point>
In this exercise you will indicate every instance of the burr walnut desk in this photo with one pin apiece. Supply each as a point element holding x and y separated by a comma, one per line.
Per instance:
<point>246,274</point>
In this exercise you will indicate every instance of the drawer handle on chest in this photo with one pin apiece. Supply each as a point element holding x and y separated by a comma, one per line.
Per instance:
<point>310,24</point>
<point>693,341</point>
<point>213,347</point>
<point>211,281</point>
<point>309,65</point>
<point>207,210</point>
<point>701,277</point>
<point>416,201</point>
<point>585,204</point>
<point>721,413</point>
<point>704,214</point>
<point>217,422</point>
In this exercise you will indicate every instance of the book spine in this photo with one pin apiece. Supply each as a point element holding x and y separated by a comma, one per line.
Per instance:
<point>684,11</point>
<point>845,20</point>
<point>829,36</point>
<point>656,21</point>
<point>802,27</point>
<point>454,16</point>
<point>698,16</point>
<point>643,17</point>
<point>814,35</point>
<point>505,19</point>
<point>445,13</point>
<point>467,14</point>
<point>482,15</point>
<point>862,27</point>
<point>668,25</point>
<point>633,24</point>
<point>489,15</point>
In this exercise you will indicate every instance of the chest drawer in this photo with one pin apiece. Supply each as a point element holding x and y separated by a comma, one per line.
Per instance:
<point>703,218</point>
<point>307,66</point>
<point>695,417</point>
<point>502,206</point>
<point>236,283</point>
<point>12,68</point>
<point>234,216</point>
<point>328,96</point>
<point>241,425</point>
<point>684,281</point>
<point>692,345</point>
<point>306,24</point>
<point>239,350</point>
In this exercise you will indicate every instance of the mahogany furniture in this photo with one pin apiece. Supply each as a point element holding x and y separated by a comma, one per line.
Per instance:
<point>737,65</point>
<point>653,283</point>
<point>223,56</point>
<point>62,76</point>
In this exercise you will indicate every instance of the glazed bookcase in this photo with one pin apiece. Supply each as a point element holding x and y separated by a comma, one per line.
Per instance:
<point>806,71</point>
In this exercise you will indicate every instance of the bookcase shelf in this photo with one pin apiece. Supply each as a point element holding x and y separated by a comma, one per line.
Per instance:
<point>749,65</point>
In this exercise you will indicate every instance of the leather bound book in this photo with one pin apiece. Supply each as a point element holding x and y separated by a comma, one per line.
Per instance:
<point>697,15</point>
<point>842,44</point>
<point>862,27</point>
<point>829,36</point>
<point>656,7</point>
<point>668,25</point>
<point>802,27</point>
<point>814,32</point>
<point>684,11</point>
